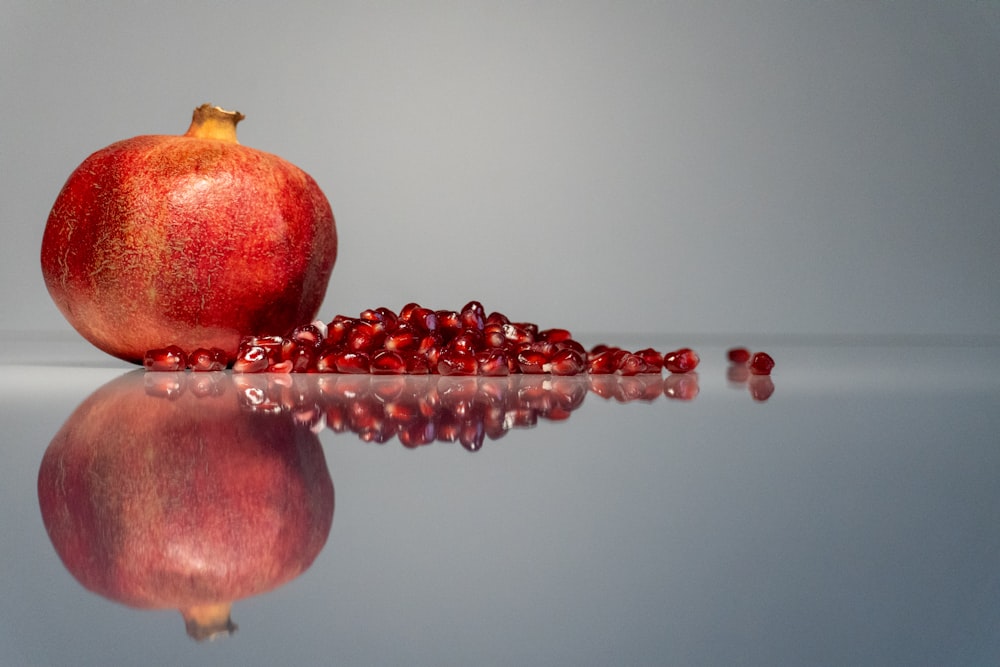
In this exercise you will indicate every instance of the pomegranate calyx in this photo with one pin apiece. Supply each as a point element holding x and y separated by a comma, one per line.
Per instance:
<point>209,621</point>
<point>212,122</point>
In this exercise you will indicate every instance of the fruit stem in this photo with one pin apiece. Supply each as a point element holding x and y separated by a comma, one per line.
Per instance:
<point>208,621</point>
<point>211,122</point>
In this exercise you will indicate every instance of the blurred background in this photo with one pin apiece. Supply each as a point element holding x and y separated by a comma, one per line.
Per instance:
<point>699,168</point>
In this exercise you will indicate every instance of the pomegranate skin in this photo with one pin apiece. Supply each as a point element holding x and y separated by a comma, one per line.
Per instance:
<point>192,240</point>
<point>185,502</point>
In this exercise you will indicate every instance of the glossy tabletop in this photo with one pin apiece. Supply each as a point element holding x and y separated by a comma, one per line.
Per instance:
<point>843,513</point>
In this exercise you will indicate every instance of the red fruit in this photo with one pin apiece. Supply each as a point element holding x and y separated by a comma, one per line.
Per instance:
<point>683,360</point>
<point>170,358</point>
<point>142,511</point>
<point>738,355</point>
<point>761,364</point>
<point>193,239</point>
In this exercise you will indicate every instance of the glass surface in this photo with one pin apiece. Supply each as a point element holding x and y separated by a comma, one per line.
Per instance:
<point>848,519</point>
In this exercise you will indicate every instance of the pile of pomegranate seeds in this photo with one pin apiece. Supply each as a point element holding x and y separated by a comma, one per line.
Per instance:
<point>418,340</point>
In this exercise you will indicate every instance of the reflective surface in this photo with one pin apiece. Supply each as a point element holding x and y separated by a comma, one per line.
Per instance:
<point>844,514</point>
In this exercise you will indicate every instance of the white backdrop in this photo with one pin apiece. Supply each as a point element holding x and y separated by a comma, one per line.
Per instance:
<point>689,167</point>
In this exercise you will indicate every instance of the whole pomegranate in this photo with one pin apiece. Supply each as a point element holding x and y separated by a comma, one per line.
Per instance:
<point>165,498</point>
<point>192,240</point>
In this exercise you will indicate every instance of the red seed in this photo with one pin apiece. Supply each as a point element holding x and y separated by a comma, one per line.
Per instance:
<point>251,359</point>
<point>472,316</point>
<point>452,362</point>
<point>653,358</point>
<point>387,362</point>
<point>271,344</point>
<point>532,361</point>
<point>170,358</point>
<point>202,360</point>
<point>761,364</point>
<point>738,355</point>
<point>629,364</point>
<point>554,335</point>
<point>602,363</point>
<point>351,362</point>
<point>493,362</point>
<point>683,360</point>
<point>567,362</point>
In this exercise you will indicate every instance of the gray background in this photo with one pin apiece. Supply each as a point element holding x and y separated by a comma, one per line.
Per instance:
<point>689,167</point>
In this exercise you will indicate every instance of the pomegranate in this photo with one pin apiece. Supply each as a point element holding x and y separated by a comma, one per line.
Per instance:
<point>164,493</point>
<point>191,240</point>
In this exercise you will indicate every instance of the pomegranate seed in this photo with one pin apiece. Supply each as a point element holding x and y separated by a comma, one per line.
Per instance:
<point>448,324</point>
<point>251,359</point>
<point>567,362</point>
<point>351,362</point>
<point>365,337</point>
<point>497,318</point>
<point>452,362</point>
<point>170,358</point>
<point>652,358</point>
<point>272,345</point>
<point>307,335</point>
<point>761,364</point>
<point>683,360</point>
<point>472,316</point>
<point>280,367</point>
<point>338,329</point>
<point>629,364</point>
<point>532,361</point>
<point>415,364</point>
<point>207,360</point>
<point>493,335</point>
<point>517,334</point>
<point>469,340</point>
<point>493,363</point>
<point>603,363</point>
<point>301,358</point>
<point>570,344</point>
<point>387,362</point>
<point>402,338</point>
<point>554,335</point>
<point>738,355</point>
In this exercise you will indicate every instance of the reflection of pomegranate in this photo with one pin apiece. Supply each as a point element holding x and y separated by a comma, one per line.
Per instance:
<point>187,502</point>
<point>194,239</point>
